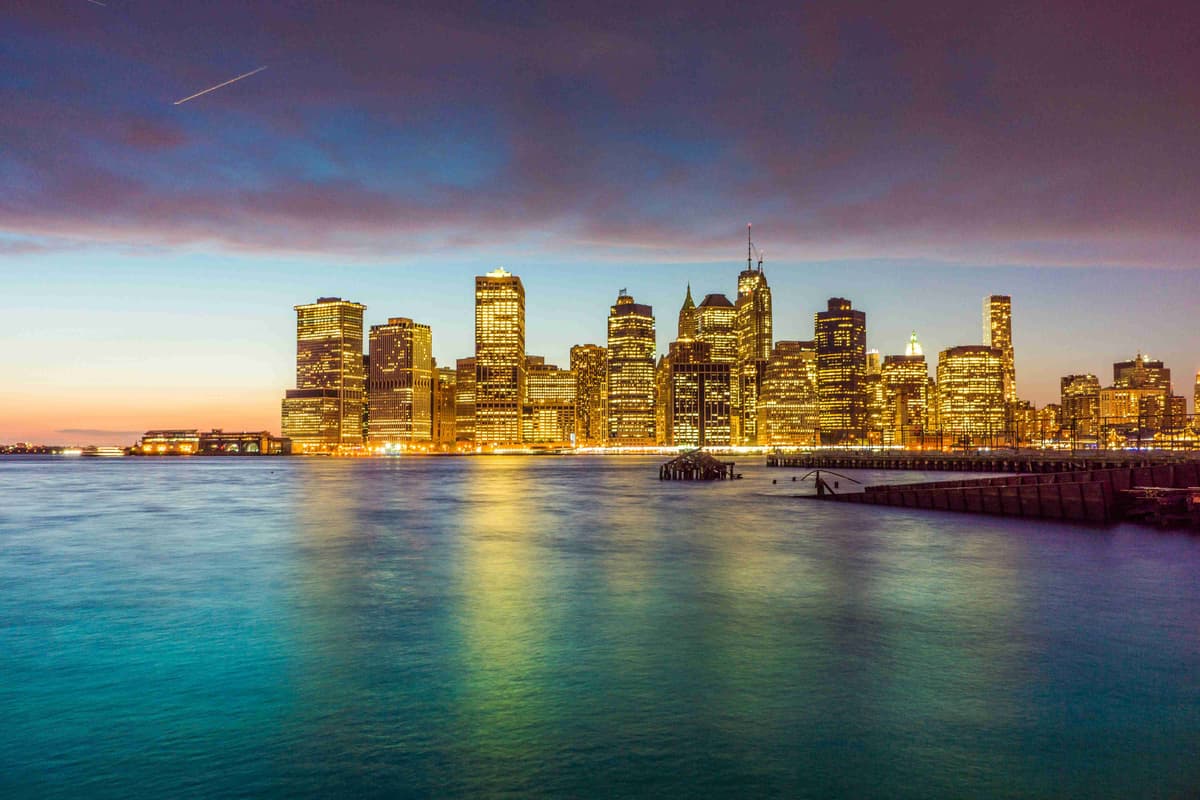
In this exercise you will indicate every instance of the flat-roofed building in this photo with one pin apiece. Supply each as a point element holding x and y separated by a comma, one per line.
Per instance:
<point>400,384</point>
<point>324,413</point>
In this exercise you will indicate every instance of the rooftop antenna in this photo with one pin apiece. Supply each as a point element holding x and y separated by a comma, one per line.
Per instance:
<point>749,247</point>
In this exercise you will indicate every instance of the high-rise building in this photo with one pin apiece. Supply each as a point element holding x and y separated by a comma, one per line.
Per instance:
<point>698,408</point>
<point>464,401</point>
<point>754,339</point>
<point>1079,397</point>
<point>1141,373</point>
<point>1196,396</point>
<point>997,333</point>
<point>631,350</point>
<point>549,403</point>
<point>789,413</point>
<point>905,381</point>
<point>445,384</point>
<point>324,412</point>
<point>589,363</point>
<point>971,393</point>
<point>499,358</point>
<point>687,317</point>
<point>400,383</point>
<point>716,324</point>
<point>841,339</point>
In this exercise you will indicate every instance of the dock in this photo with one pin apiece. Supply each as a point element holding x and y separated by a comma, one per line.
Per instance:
<point>1031,462</point>
<point>696,465</point>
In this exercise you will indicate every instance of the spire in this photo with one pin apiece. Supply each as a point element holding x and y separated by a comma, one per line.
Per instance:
<point>687,301</point>
<point>687,316</point>
<point>749,247</point>
<point>914,347</point>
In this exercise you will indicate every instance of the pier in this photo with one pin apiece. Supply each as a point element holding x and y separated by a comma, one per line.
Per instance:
<point>696,465</point>
<point>1035,462</point>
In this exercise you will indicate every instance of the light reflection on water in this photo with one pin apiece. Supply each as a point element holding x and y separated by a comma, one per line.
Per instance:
<point>573,627</point>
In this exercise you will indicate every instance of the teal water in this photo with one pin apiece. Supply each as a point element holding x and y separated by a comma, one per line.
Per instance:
<point>572,627</point>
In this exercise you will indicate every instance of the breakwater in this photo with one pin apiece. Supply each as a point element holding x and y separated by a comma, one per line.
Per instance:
<point>1018,462</point>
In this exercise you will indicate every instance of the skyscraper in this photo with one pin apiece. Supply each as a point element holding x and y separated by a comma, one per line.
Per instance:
<point>324,412</point>
<point>789,413</point>
<point>698,408</point>
<point>401,383</point>
<point>549,403</point>
<point>1079,396</point>
<point>971,393</point>
<point>631,349</point>
<point>445,384</point>
<point>499,358</point>
<point>905,382</point>
<point>841,339</point>
<point>754,340</point>
<point>1196,395</point>
<point>589,363</point>
<point>997,333</point>
<point>687,317</point>
<point>716,324</point>
<point>1141,372</point>
<point>464,401</point>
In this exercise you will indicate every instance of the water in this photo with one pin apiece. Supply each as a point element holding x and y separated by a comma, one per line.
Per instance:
<point>572,627</point>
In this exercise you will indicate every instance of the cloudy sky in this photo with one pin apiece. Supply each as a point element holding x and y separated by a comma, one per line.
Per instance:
<point>910,156</point>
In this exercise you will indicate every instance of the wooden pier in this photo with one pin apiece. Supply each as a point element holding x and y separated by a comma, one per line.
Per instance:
<point>1089,495</point>
<point>696,465</point>
<point>1035,462</point>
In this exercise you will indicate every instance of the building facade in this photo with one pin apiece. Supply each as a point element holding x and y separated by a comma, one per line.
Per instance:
<point>445,422</point>
<point>972,407</point>
<point>698,408</point>
<point>589,364</point>
<point>400,384</point>
<point>499,358</point>
<point>905,382</point>
<point>464,401</point>
<point>789,411</point>
<point>1079,403</point>
<point>997,333</point>
<point>324,413</point>
<point>754,344</point>
<point>841,341</point>
<point>631,352</point>
<point>549,404</point>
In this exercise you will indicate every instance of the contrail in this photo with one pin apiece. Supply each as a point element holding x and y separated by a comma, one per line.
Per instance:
<point>98,3</point>
<point>219,85</point>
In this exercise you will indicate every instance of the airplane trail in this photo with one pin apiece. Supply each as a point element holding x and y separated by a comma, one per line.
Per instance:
<point>98,3</point>
<point>219,85</point>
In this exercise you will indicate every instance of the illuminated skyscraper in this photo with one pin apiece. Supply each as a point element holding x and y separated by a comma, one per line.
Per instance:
<point>716,324</point>
<point>971,392</point>
<point>1079,396</point>
<point>445,384</point>
<point>841,339</point>
<point>401,383</point>
<point>324,412</point>
<point>789,413</point>
<point>687,317</point>
<point>499,358</point>
<point>1196,395</point>
<point>631,350</point>
<point>905,382</point>
<point>997,333</point>
<point>464,401</point>
<point>1141,373</point>
<point>589,363</point>
<point>754,332</point>
<point>549,403</point>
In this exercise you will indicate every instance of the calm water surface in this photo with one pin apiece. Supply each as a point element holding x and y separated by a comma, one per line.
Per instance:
<point>572,627</point>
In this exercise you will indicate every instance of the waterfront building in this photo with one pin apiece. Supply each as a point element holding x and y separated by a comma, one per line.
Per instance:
<point>499,358</point>
<point>754,340</point>
<point>1079,396</point>
<point>464,401</point>
<point>698,408</point>
<point>905,383</point>
<point>687,317</point>
<point>168,442</point>
<point>218,442</point>
<point>841,340</point>
<point>1049,422</point>
<point>549,404</point>
<point>445,422</point>
<point>589,364</point>
<point>400,383</point>
<point>631,357</point>
<point>789,412</point>
<point>662,399</point>
<point>970,382</point>
<point>997,333</point>
<point>324,413</point>
<point>1125,408</point>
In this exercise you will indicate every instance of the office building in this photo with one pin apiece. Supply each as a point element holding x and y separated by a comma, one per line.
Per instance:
<point>716,324</point>
<point>1142,373</point>
<point>970,380</point>
<point>698,406</point>
<point>997,333</point>
<point>589,364</point>
<point>324,413</point>
<point>499,358</point>
<point>841,340</point>
<point>754,340</point>
<point>549,403</point>
<point>1079,398</point>
<point>445,423</point>
<point>687,317</point>
<point>464,401</point>
<point>400,384</point>
<point>905,382</point>
<point>631,361</point>
<point>789,413</point>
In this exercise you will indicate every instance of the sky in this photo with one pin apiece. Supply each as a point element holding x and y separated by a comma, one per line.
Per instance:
<point>913,157</point>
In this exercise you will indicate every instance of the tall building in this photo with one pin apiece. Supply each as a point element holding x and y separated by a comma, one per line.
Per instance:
<point>324,412</point>
<point>499,358</point>
<point>997,333</point>
<point>464,401</point>
<point>589,363</point>
<point>445,385</point>
<point>1196,395</point>
<point>789,413</point>
<point>905,383</point>
<point>1079,399</point>
<point>697,405</point>
<point>1141,373</point>
<point>841,339</point>
<point>400,383</point>
<point>687,317</point>
<point>754,339</point>
<point>631,349</point>
<point>716,324</point>
<point>549,403</point>
<point>971,394</point>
